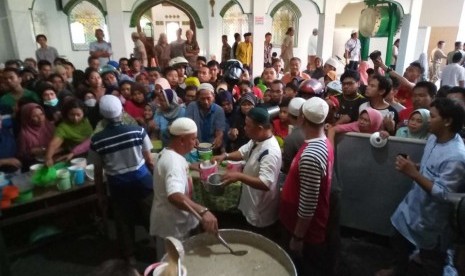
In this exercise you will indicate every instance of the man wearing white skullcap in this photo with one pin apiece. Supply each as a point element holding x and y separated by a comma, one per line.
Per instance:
<point>295,139</point>
<point>174,187</point>
<point>123,151</point>
<point>305,198</point>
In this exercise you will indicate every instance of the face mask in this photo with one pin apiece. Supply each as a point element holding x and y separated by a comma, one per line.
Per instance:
<point>53,102</point>
<point>90,102</point>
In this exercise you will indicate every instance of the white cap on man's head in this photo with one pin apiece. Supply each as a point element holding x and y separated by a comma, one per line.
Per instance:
<point>110,107</point>
<point>333,62</point>
<point>183,126</point>
<point>354,32</point>
<point>315,110</point>
<point>206,86</point>
<point>295,105</point>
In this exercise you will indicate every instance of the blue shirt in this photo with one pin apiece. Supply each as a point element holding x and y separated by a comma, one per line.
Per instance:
<point>207,123</point>
<point>422,217</point>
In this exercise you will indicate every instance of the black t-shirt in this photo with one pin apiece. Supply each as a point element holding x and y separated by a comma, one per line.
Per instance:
<point>350,107</point>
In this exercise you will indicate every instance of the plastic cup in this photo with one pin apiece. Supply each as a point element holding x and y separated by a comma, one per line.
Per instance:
<point>77,175</point>
<point>63,180</point>
<point>36,167</point>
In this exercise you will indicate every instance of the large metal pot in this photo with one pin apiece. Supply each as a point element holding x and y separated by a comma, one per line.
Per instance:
<point>241,237</point>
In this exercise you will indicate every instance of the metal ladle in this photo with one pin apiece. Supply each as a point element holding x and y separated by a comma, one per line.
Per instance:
<point>175,252</point>
<point>218,236</point>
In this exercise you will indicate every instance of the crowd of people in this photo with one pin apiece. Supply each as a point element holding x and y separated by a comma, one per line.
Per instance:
<point>282,124</point>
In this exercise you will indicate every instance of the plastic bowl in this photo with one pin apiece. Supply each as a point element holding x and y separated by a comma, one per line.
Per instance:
<point>214,185</point>
<point>90,171</point>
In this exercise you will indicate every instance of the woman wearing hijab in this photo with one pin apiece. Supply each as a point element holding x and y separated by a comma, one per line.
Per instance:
<point>168,110</point>
<point>35,133</point>
<point>369,121</point>
<point>418,125</point>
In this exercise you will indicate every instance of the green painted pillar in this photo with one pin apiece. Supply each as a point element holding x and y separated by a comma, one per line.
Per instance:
<point>365,46</point>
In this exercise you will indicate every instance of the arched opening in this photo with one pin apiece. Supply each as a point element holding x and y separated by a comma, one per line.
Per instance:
<point>234,19</point>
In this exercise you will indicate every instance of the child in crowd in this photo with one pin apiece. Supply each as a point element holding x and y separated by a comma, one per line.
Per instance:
<point>191,94</point>
<point>135,106</point>
<point>290,91</point>
<point>236,133</point>
<point>72,134</point>
<point>149,123</point>
<point>281,124</point>
<point>125,91</point>
<point>418,125</point>
<point>51,104</point>
<point>369,121</point>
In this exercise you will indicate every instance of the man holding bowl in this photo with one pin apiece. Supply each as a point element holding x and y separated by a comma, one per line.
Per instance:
<point>260,193</point>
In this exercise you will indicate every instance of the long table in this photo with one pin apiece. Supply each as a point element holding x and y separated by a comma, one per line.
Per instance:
<point>48,201</point>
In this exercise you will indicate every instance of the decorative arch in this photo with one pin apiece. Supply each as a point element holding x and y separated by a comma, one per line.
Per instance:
<point>183,6</point>
<point>288,3</point>
<point>229,5</point>
<point>71,4</point>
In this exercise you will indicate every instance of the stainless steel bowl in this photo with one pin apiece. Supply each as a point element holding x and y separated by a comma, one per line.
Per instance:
<point>247,238</point>
<point>214,185</point>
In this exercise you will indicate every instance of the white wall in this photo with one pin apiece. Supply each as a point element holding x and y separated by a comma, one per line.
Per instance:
<point>6,47</point>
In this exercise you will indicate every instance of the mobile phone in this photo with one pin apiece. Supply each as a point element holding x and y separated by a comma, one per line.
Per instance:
<point>403,155</point>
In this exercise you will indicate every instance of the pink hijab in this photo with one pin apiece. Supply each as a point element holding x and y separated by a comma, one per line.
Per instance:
<point>376,122</point>
<point>30,135</point>
<point>362,71</point>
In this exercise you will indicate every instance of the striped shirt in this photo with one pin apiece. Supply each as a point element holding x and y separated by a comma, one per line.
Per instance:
<point>312,168</point>
<point>121,148</point>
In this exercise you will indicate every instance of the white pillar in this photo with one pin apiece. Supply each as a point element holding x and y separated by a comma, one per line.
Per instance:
<point>461,24</point>
<point>408,36</point>
<point>213,36</point>
<point>116,29</point>
<point>258,31</point>
<point>326,30</point>
<point>22,34</point>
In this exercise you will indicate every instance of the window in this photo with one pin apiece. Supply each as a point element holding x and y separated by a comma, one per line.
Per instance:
<point>283,18</point>
<point>235,21</point>
<point>171,29</point>
<point>84,19</point>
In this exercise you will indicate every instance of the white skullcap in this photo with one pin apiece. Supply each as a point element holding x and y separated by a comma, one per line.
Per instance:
<point>354,31</point>
<point>315,110</point>
<point>295,105</point>
<point>333,62</point>
<point>110,106</point>
<point>182,126</point>
<point>206,86</point>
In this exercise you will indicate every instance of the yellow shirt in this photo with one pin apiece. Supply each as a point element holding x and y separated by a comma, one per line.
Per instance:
<point>244,53</point>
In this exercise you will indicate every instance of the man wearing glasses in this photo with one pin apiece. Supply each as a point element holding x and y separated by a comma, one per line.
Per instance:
<point>350,99</point>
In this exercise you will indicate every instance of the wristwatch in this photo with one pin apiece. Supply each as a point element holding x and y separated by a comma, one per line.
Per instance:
<point>226,156</point>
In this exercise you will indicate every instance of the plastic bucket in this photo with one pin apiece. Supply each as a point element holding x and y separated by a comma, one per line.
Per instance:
<point>63,180</point>
<point>206,169</point>
<point>234,166</point>
<point>81,162</point>
<point>77,175</point>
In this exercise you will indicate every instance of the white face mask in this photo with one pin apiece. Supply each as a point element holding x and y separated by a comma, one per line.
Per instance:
<point>90,102</point>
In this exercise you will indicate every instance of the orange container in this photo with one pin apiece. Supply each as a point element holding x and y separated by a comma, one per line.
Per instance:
<point>10,192</point>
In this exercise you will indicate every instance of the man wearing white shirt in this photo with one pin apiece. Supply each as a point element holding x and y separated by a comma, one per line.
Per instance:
<point>260,192</point>
<point>312,46</point>
<point>352,51</point>
<point>454,74</point>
